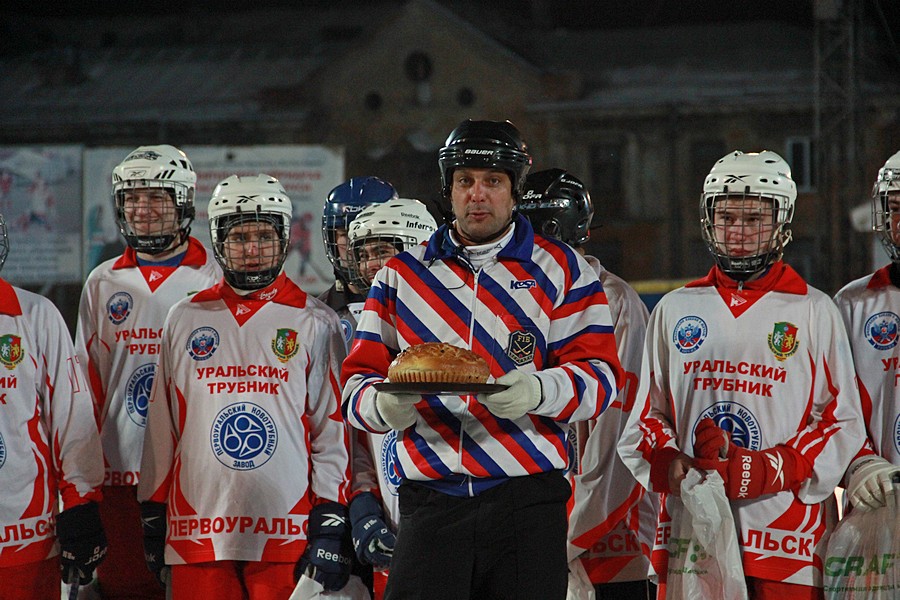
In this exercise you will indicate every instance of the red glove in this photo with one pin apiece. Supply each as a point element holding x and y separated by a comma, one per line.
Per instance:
<point>710,441</point>
<point>748,474</point>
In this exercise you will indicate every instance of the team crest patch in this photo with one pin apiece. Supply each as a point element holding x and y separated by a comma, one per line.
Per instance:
<point>390,463</point>
<point>243,436</point>
<point>202,343</point>
<point>783,340</point>
<point>285,344</point>
<point>737,420</point>
<point>118,307</point>
<point>881,330</point>
<point>2,452</point>
<point>521,346</point>
<point>137,393</point>
<point>689,334</point>
<point>11,352</point>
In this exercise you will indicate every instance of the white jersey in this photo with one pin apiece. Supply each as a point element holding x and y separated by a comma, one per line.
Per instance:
<point>120,318</point>
<point>613,522</point>
<point>770,363</point>
<point>244,431</point>
<point>49,443</point>
<point>870,307</point>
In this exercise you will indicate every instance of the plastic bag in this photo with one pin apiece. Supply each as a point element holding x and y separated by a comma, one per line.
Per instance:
<point>863,557</point>
<point>310,589</point>
<point>704,556</point>
<point>580,586</point>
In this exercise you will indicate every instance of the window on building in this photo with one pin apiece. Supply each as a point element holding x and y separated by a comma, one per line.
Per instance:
<point>605,182</point>
<point>704,154</point>
<point>800,156</point>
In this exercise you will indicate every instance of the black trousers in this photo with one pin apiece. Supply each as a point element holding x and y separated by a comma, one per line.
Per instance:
<point>507,543</point>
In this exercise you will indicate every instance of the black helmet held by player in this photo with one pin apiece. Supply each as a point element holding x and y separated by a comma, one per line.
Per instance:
<point>558,206</point>
<point>485,145</point>
<point>344,202</point>
<point>4,242</point>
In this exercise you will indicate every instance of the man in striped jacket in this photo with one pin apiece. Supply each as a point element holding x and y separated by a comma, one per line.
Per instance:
<point>483,498</point>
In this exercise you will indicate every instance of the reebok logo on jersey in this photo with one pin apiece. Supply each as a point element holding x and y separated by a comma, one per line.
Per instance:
<point>737,300</point>
<point>240,309</point>
<point>154,275</point>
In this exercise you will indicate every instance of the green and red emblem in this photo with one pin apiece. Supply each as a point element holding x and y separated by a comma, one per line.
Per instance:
<point>783,340</point>
<point>285,344</point>
<point>11,352</point>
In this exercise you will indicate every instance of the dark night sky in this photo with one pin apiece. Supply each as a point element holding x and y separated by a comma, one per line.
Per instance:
<point>569,13</point>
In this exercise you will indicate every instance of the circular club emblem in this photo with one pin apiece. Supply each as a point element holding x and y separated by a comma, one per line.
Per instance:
<point>896,435</point>
<point>389,462</point>
<point>118,307</point>
<point>737,420</point>
<point>689,334</point>
<point>243,436</point>
<point>2,452</point>
<point>881,330</point>
<point>202,343</point>
<point>347,330</point>
<point>137,393</point>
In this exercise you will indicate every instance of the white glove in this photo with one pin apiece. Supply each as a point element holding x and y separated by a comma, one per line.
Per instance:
<point>522,395</point>
<point>397,410</point>
<point>870,482</point>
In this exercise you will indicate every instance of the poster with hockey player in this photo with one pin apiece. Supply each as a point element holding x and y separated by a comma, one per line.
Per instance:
<point>40,199</point>
<point>307,173</point>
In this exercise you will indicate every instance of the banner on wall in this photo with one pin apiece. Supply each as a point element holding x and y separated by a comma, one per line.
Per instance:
<point>307,173</point>
<point>40,199</point>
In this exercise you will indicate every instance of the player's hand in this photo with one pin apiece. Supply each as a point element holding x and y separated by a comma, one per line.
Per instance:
<point>328,548</point>
<point>668,468</point>
<point>710,441</point>
<point>522,395</point>
<point>153,524</point>
<point>749,474</point>
<point>871,482</point>
<point>372,538</point>
<point>397,410</point>
<point>82,542</point>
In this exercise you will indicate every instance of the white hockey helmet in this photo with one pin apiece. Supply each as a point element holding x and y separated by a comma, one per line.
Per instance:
<point>160,167</point>
<point>4,242</point>
<point>885,221</point>
<point>249,199</point>
<point>403,223</point>
<point>754,175</point>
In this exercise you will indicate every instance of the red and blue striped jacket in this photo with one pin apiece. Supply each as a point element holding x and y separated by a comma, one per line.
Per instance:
<point>537,307</point>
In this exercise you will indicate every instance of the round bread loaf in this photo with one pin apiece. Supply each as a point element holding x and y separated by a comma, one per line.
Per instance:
<point>438,362</point>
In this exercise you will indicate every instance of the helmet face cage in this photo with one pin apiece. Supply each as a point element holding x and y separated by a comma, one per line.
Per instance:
<point>249,223</point>
<point>4,242</point>
<point>886,207</point>
<point>382,231</point>
<point>485,145</point>
<point>342,205</point>
<point>558,206</point>
<point>732,195</point>
<point>150,222</point>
